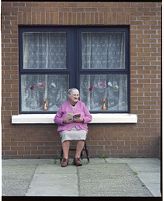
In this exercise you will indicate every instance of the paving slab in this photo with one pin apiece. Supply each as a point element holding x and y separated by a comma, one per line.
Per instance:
<point>154,188</point>
<point>16,179</point>
<point>53,191</point>
<point>15,186</point>
<point>10,162</point>
<point>147,170</point>
<point>55,169</point>
<point>110,180</point>
<point>133,160</point>
<point>101,177</point>
<point>53,180</point>
<point>152,181</point>
<point>94,161</point>
<point>145,167</point>
<point>149,177</point>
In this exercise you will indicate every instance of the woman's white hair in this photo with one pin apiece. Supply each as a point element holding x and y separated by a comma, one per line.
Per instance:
<point>71,90</point>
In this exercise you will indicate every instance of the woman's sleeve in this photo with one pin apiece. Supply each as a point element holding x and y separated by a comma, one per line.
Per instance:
<point>58,119</point>
<point>88,116</point>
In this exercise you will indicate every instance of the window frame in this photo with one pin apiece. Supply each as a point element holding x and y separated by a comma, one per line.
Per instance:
<point>73,50</point>
<point>68,71</point>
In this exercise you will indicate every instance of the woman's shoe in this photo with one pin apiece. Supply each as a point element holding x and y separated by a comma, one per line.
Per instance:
<point>77,162</point>
<point>64,162</point>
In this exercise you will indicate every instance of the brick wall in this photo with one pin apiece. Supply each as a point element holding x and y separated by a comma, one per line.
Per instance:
<point>112,140</point>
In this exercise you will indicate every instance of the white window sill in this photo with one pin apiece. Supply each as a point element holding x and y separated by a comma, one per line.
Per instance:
<point>96,118</point>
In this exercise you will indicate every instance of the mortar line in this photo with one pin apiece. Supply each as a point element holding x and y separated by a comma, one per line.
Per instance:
<point>142,182</point>
<point>31,179</point>
<point>78,180</point>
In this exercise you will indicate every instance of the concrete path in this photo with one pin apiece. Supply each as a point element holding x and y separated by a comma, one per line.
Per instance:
<point>101,177</point>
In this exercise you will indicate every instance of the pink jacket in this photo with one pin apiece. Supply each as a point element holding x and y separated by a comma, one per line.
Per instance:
<point>66,108</point>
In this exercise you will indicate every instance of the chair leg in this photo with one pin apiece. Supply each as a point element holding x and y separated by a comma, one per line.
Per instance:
<point>86,150</point>
<point>81,155</point>
<point>61,154</point>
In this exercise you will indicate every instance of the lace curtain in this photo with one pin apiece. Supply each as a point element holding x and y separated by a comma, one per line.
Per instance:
<point>103,51</point>
<point>43,51</point>
<point>104,91</point>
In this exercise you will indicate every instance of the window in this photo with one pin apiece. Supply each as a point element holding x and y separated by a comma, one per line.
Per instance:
<point>93,59</point>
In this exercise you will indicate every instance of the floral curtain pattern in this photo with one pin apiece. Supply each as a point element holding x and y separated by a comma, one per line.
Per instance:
<point>36,89</point>
<point>104,92</point>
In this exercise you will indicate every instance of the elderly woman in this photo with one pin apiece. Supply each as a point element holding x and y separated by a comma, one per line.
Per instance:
<point>72,118</point>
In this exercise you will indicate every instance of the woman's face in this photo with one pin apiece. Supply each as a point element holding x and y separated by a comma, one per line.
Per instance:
<point>74,96</point>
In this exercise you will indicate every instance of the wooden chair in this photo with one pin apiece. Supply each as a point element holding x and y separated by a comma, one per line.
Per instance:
<point>85,149</point>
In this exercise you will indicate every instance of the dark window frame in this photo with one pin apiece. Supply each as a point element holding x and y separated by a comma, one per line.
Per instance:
<point>73,50</point>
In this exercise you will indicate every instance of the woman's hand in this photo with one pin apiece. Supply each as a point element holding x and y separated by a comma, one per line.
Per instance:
<point>67,120</point>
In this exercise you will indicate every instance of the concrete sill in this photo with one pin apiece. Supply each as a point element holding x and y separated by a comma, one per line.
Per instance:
<point>97,118</point>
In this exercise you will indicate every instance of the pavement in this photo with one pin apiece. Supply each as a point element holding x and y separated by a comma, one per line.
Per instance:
<point>124,177</point>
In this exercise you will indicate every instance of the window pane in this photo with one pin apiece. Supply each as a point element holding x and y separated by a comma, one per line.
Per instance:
<point>44,50</point>
<point>36,90</point>
<point>103,50</point>
<point>104,92</point>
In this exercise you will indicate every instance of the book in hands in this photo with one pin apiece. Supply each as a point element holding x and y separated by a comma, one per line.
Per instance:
<point>76,116</point>
<point>71,116</point>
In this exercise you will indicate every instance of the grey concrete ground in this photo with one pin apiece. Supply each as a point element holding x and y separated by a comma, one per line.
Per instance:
<point>132,177</point>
